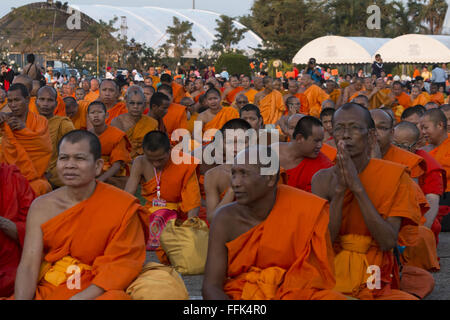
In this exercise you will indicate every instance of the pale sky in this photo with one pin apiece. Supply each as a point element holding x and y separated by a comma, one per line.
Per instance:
<point>229,7</point>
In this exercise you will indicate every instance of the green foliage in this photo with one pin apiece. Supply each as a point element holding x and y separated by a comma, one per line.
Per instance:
<point>234,63</point>
<point>180,39</point>
<point>227,35</point>
<point>285,66</point>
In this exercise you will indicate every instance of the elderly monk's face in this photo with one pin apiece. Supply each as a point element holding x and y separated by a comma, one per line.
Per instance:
<point>86,86</point>
<point>385,130</point>
<point>135,105</point>
<point>252,119</point>
<point>311,146</point>
<point>349,126</point>
<point>368,84</point>
<point>76,166</point>
<point>241,101</point>
<point>46,103</point>
<point>94,84</point>
<point>80,94</point>
<point>17,103</point>
<point>431,131</point>
<point>248,185</point>
<point>213,101</point>
<point>415,92</point>
<point>293,87</point>
<point>108,92</point>
<point>71,109</point>
<point>97,115</point>
<point>158,159</point>
<point>245,82</point>
<point>404,139</point>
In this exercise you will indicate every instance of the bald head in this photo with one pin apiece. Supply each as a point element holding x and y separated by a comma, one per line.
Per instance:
<point>362,100</point>
<point>328,104</point>
<point>292,123</point>
<point>379,115</point>
<point>406,134</point>
<point>25,80</point>
<point>431,105</point>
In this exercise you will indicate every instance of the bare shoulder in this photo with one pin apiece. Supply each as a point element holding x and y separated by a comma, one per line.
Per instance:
<point>48,206</point>
<point>117,122</point>
<point>224,219</point>
<point>322,180</point>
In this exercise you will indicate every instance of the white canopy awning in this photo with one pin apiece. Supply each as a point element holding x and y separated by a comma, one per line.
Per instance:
<point>416,48</point>
<point>340,50</point>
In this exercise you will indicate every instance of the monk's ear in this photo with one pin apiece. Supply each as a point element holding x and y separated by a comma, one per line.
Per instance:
<point>99,166</point>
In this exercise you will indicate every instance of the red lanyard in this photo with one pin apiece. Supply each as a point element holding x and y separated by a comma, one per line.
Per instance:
<point>158,180</point>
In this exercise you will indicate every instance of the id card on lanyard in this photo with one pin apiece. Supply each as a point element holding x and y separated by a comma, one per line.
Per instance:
<point>158,202</point>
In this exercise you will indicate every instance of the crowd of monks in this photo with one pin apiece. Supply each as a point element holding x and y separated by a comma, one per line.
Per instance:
<point>353,210</point>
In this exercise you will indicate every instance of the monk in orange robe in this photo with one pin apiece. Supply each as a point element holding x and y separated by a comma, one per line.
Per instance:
<point>435,95</point>
<point>60,109</point>
<point>399,98</point>
<point>58,126</point>
<point>241,264</point>
<point>216,116</point>
<point>135,123</point>
<point>293,88</point>
<point>293,106</point>
<point>171,189</point>
<point>301,158</point>
<point>249,92</point>
<point>159,106</point>
<point>270,102</point>
<point>417,97</point>
<point>77,112</point>
<point>316,96</point>
<point>229,95</point>
<point>94,91</point>
<point>86,226</point>
<point>176,117</point>
<point>26,140</point>
<point>16,199</point>
<point>178,91</point>
<point>368,216</point>
<point>380,96</point>
<point>109,93</point>
<point>333,91</point>
<point>355,90</point>
<point>115,147</point>
<point>198,90</point>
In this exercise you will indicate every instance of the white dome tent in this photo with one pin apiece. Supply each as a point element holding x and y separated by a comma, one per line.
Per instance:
<point>417,48</point>
<point>340,50</point>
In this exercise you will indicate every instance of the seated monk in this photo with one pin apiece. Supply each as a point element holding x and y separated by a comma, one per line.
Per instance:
<point>171,190</point>
<point>218,180</point>
<point>229,95</point>
<point>198,89</point>
<point>85,226</point>
<point>58,126</point>
<point>176,117</point>
<point>177,90</point>
<point>293,106</point>
<point>16,199</point>
<point>28,83</point>
<point>413,115</point>
<point>333,91</point>
<point>400,100</point>
<point>315,95</point>
<point>248,91</point>
<point>93,92</point>
<point>418,97</point>
<point>134,123</point>
<point>326,116</point>
<point>270,102</point>
<point>149,91</point>
<point>380,95</point>
<point>406,136</point>
<point>252,115</point>
<point>301,158</point>
<point>115,147</point>
<point>26,140</point>
<point>257,249</point>
<point>216,115</point>
<point>159,106</point>
<point>435,95</point>
<point>191,111</point>
<point>77,113</point>
<point>240,101</point>
<point>356,88</point>
<point>445,108</point>
<point>368,215</point>
<point>293,92</point>
<point>109,94</point>
<point>434,128</point>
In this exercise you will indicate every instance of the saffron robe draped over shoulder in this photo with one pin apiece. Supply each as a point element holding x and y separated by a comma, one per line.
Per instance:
<point>316,96</point>
<point>79,120</point>
<point>278,260</point>
<point>329,151</point>
<point>176,118</point>
<point>105,234</point>
<point>300,177</point>
<point>250,94</point>
<point>178,92</point>
<point>393,196</point>
<point>15,200</point>
<point>224,115</point>
<point>304,103</point>
<point>115,147</point>
<point>442,155</point>
<point>231,96</point>
<point>137,133</point>
<point>272,107</point>
<point>415,163</point>
<point>91,96</point>
<point>30,149</point>
<point>118,109</point>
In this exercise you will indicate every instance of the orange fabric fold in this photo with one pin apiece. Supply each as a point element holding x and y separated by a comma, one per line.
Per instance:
<point>335,95</point>
<point>91,96</point>
<point>178,92</point>
<point>114,112</point>
<point>304,104</point>
<point>329,151</point>
<point>137,133</point>
<point>60,109</point>
<point>438,98</point>
<point>421,99</point>
<point>176,118</point>
<point>277,260</point>
<point>404,99</point>
<point>224,115</point>
<point>250,94</point>
<point>423,254</point>
<point>414,162</point>
<point>380,98</point>
<point>316,96</point>
<point>30,149</point>
<point>231,96</point>
<point>272,107</point>
<point>79,120</point>
<point>115,147</point>
<point>32,107</point>
<point>442,155</point>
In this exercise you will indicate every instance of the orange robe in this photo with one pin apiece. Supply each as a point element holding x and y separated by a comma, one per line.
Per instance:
<point>356,249</point>
<point>415,163</point>
<point>118,109</point>
<point>178,92</point>
<point>316,96</point>
<point>278,260</point>
<point>176,118</point>
<point>30,149</point>
<point>231,96</point>
<point>304,104</point>
<point>197,97</point>
<point>404,99</point>
<point>437,98</point>
<point>79,120</point>
<point>272,107</point>
<point>137,133</point>
<point>224,115</point>
<point>250,94</point>
<point>335,95</point>
<point>60,109</point>
<point>442,155</point>
<point>58,127</point>
<point>358,93</point>
<point>92,96</point>
<point>106,234</point>
<point>115,147</point>
<point>179,187</point>
<point>32,107</point>
<point>380,98</point>
<point>421,99</point>
<point>329,151</point>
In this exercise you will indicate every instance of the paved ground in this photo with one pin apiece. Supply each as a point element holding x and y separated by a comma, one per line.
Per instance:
<point>442,278</point>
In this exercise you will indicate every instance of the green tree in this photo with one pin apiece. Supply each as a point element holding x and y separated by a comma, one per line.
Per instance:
<point>234,63</point>
<point>227,34</point>
<point>180,39</point>
<point>432,14</point>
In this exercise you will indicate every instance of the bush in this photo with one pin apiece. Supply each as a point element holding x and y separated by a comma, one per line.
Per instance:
<point>234,63</point>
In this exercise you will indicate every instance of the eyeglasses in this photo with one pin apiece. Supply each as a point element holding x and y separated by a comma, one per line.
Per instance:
<point>353,129</point>
<point>404,146</point>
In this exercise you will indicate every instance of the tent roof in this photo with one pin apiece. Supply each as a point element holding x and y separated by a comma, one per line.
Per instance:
<point>340,50</point>
<point>417,48</point>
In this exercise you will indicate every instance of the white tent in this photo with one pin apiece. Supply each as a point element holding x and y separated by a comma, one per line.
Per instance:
<point>416,48</point>
<point>340,50</point>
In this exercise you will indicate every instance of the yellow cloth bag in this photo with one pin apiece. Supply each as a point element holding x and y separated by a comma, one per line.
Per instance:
<point>186,246</point>
<point>56,273</point>
<point>158,282</point>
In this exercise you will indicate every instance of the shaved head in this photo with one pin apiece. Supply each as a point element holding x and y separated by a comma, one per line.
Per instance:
<point>362,100</point>
<point>407,129</point>
<point>431,105</point>
<point>436,116</point>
